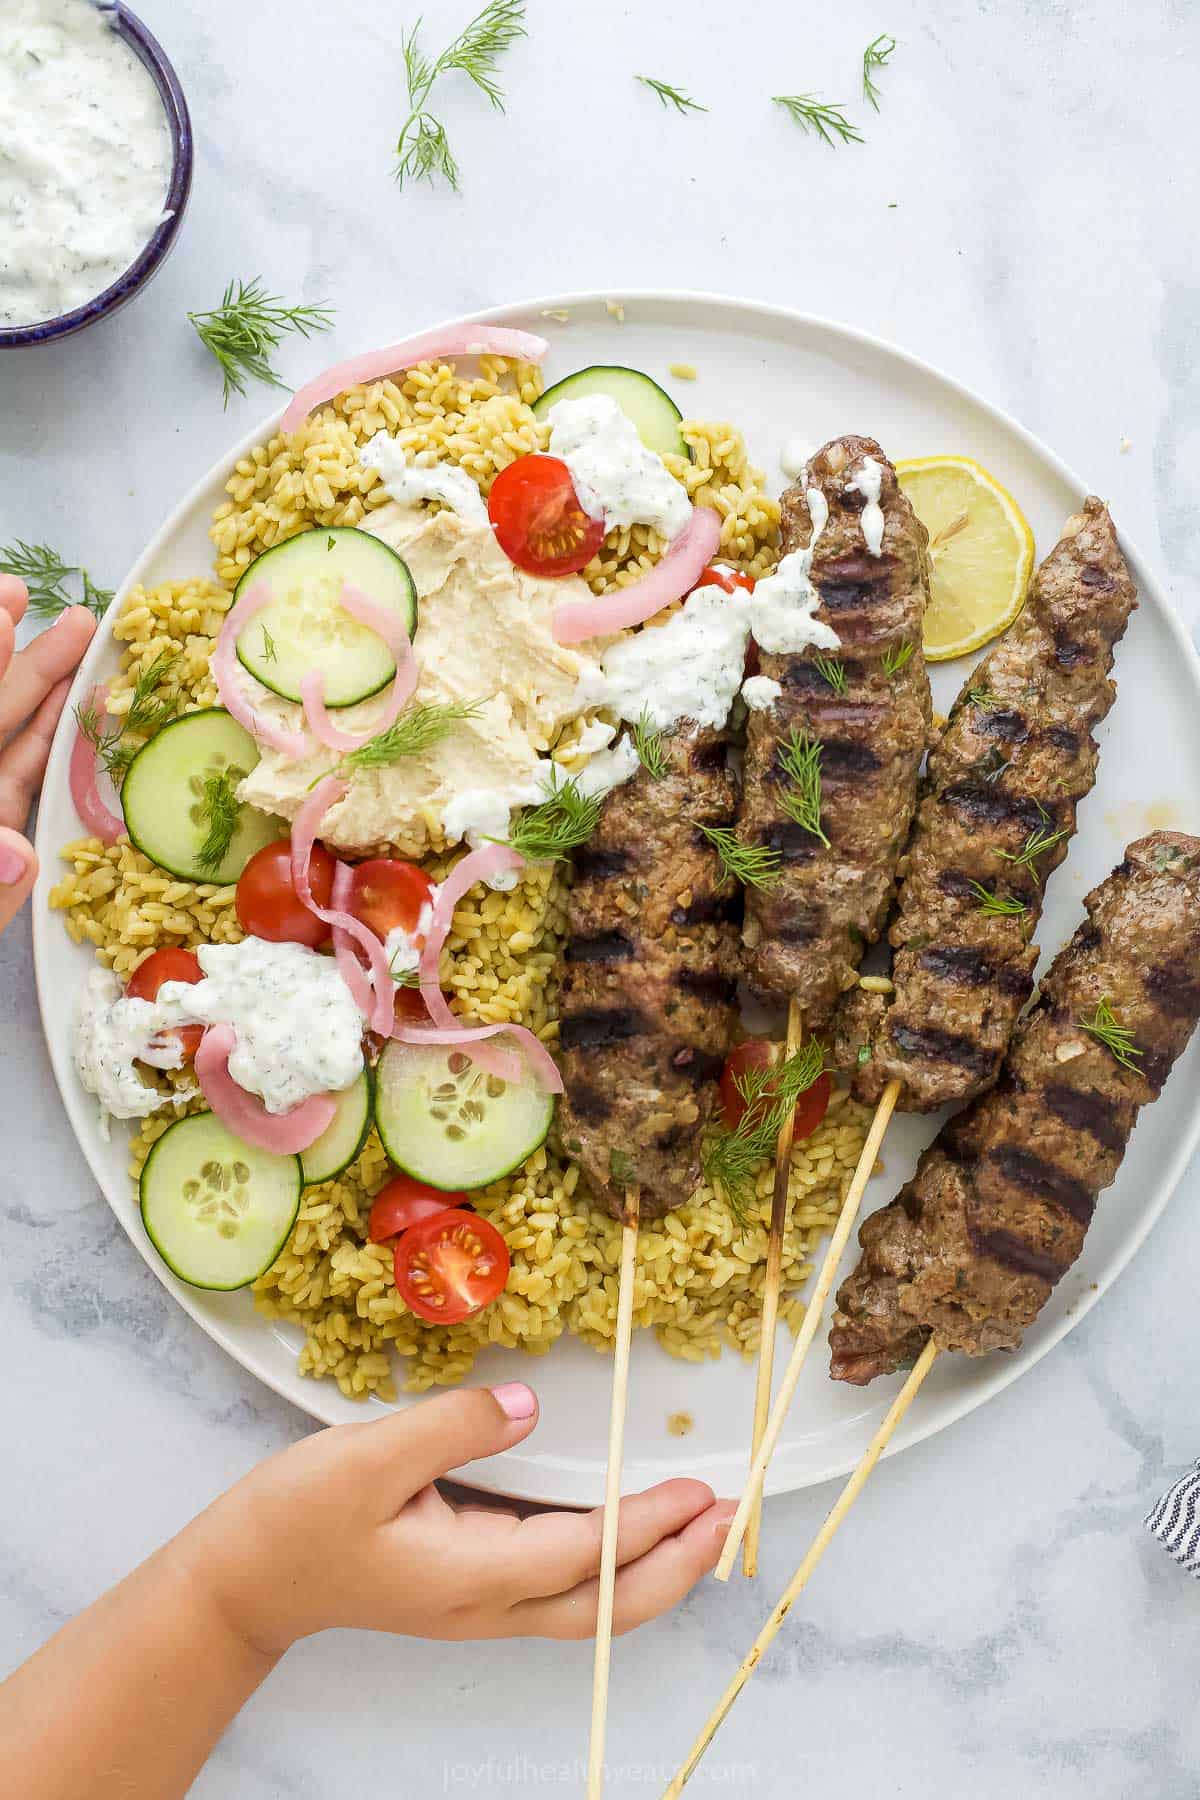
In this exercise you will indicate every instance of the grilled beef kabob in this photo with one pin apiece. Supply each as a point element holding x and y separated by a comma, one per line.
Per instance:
<point>647,997</point>
<point>998,1209</point>
<point>647,1008</point>
<point>996,816</point>
<point>831,771</point>
<point>862,712</point>
<point>1000,1204</point>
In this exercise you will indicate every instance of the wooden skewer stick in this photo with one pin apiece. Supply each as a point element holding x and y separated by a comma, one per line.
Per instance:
<point>820,1544</point>
<point>808,1329</point>
<point>770,1305</point>
<point>612,1495</point>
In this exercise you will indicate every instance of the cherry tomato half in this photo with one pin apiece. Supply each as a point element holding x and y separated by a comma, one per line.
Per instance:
<point>388,895</point>
<point>268,906</point>
<point>450,1266</point>
<point>410,1007</point>
<point>757,1053</point>
<point>404,1202</point>
<point>171,964</point>
<point>538,519</point>
<point>728,579</point>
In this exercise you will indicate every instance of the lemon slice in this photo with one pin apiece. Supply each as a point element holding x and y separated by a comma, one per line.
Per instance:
<point>980,552</point>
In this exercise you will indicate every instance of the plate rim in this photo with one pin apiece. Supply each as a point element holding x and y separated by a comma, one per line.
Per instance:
<point>483,1475</point>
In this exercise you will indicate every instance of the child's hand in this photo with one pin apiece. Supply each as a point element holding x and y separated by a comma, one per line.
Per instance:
<point>33,689</point>
<point>347,1529</point>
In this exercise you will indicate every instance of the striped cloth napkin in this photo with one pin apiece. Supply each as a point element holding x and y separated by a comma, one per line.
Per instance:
<point>1175,1521</point>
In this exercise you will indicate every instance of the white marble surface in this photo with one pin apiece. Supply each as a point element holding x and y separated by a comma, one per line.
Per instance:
<point>995,1619</point>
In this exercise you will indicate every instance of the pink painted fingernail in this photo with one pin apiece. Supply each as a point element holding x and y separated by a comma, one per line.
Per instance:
<point>12,866</point>
<point>515,1400</point>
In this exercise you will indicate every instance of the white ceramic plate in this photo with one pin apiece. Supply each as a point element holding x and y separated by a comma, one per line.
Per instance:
<point>776,374</point>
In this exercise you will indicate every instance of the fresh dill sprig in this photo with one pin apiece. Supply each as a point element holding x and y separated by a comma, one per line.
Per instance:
<point>997,906</point>
<point>109,734</point>
<point>831,672</point>
<point>649,745</point>
<point>405,978</point>
<point>1115,1037</point>
<point>750,865</point>
<point>732,1158</point>
<point>270,649</point>
<point>670,96</point>
<point>220,811</point>
<point>825,117</point>
<point>423,150</point>
<point>984,699</point>
<point>247,326</point>
<point>877,55</point>
<point>991,765</point>
<point>800,760</point>
<point>413,733</point>
<point>893,660</point>
<point>1036,844</point>
<point>46,575</point>
<point>563,821</point>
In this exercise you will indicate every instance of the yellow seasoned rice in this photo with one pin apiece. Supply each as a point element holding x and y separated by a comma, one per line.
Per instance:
<point>699,1272</point>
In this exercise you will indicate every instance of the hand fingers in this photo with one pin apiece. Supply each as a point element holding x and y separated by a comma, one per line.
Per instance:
<point>8,639</point>
<point>556,1551</point>
<point>14,597</point>
<point>18,867</point>
<point>42,664</point>
<point>23,758</point>
<point>644,1589</point>
<point>412,1448</point>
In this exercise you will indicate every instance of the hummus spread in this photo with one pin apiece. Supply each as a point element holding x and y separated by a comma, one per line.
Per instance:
<point>483,635</point>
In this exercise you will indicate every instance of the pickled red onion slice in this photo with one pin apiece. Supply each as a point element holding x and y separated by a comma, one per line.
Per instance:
<point>453,340</point>
<point>685,561</point>
<point>469,1038</point>
<point>244,1113</point>
<point>295,745</point>
<point>388,625</point>
<point>349,967</point>
<point>305,826</point>
<point>462,878</point>
<point>100,820</point>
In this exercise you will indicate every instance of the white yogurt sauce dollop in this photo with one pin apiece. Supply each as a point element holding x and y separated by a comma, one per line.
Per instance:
<point>616,478</point>
<point>783,605</point>
<point>609,769</point>
<point>869,483</point>
<point>689,667</point>
<point>85,157</point>
<point>760,693</point>
<point>298,1030</point>
<point>111,1035</point>
<point>408,481</point>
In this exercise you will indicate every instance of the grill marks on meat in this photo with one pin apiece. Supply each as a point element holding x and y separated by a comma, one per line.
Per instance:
<point>1000,1203</point>
<point>804,936</point>
<point>647,989</point>
<point>999,773</point>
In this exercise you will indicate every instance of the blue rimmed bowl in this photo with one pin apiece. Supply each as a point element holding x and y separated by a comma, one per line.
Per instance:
<point>111,299</point>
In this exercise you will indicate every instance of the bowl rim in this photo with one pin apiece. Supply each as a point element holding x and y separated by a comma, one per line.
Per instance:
<point>154,59</point>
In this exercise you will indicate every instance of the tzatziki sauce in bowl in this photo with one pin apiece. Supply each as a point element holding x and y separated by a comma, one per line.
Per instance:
<point>95,164</point>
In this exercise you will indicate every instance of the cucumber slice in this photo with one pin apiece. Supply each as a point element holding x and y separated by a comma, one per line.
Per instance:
<point>651,409</point>
<point>217,1211</point>
<point>444,1121</point>
<point>304,628</point>
<point>162,797</point>
<point>340,1143</point>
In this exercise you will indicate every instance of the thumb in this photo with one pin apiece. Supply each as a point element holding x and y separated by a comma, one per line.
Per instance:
<point>429,1440</point>
<point>18,867</point>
